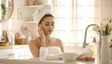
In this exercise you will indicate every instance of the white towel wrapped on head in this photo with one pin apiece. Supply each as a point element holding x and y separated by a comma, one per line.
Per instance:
<point>43,10</point>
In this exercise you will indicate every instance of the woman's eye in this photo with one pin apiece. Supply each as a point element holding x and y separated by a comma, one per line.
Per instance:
<point>46,24</point>
<point>52,24</point>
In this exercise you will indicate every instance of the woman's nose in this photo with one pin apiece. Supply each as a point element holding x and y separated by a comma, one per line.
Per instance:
<point>50,27</point>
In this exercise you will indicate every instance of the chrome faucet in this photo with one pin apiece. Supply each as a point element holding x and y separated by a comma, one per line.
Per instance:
<point>84,43</point>
<point>99,43</point>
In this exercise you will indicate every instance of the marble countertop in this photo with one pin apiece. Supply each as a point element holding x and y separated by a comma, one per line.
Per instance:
<point>37,61</point>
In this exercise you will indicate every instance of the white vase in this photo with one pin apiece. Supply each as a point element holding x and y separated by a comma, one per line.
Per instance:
<point>104,50</point>
<point>110,53</point>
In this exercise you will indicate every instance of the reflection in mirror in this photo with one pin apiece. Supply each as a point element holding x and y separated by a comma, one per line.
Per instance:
<point>6,9</point>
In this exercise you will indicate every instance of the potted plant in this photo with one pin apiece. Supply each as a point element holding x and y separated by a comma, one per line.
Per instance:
<point>3,11</point>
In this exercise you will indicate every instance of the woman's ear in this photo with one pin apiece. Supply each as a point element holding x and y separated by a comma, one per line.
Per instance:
<point>38,25</point>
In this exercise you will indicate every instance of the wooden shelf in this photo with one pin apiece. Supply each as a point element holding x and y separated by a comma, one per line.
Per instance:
<point>15,46</point>
<point>25,13</point>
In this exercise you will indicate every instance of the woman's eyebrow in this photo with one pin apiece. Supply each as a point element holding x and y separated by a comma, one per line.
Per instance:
<point>46,22</point>
<point>49,22</point>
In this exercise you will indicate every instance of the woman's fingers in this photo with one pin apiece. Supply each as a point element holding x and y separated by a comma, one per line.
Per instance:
<point>41,32</point>
<point>39,29</point>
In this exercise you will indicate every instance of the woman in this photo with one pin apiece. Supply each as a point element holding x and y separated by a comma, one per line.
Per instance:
<point>45,28</point>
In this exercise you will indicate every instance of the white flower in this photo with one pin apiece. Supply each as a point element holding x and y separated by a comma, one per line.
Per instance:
<point>96,29</point>
<point>101,28</point>
<point>105,28</point>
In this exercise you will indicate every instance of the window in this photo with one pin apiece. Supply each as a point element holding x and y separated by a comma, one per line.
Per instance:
<point>72,17</point>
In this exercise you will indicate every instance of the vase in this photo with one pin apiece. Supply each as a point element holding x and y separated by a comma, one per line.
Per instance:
<point>104,50</point>
<point>110,53</point>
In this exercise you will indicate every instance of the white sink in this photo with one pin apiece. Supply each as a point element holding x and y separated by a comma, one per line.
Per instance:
<point>76,48</point>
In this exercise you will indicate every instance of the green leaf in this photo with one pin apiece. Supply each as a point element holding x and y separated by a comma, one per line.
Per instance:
<point>111,40</point>
<point>110,46</point>
<point>4,11</point>
<point>106,30</point>
<point>110,21</point>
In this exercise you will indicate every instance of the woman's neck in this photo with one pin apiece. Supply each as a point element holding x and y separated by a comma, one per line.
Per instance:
<point>48,38</point>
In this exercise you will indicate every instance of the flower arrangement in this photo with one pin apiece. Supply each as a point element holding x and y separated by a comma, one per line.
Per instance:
<point>105,28</point>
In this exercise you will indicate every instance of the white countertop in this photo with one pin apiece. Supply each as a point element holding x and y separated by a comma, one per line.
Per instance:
<point>37,61</point>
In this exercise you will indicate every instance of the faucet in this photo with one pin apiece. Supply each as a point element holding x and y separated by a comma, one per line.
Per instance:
<point>99,43</point>
<point>84,43</point>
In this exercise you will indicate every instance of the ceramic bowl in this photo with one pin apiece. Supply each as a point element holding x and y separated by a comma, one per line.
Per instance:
<point>69,57</point>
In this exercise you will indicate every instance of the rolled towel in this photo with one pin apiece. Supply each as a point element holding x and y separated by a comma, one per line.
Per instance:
<point>86,53</point>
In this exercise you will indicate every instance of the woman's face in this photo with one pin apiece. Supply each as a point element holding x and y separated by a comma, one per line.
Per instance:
<point>48,25</point>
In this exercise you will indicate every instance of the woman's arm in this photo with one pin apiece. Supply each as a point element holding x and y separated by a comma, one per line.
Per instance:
<point>33,45</point>
<point>60,45</point>
<point>33,48</point>
<point>42,36</point>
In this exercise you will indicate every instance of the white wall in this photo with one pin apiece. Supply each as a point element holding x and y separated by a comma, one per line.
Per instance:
<point>106,9</point>
<point>105,13</point>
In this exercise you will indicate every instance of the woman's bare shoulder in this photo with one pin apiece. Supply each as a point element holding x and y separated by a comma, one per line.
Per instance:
<point>35,42</point>
<point>58,40</point>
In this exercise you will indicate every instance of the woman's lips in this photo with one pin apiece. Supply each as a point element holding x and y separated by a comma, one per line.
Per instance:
<point>50,30</point>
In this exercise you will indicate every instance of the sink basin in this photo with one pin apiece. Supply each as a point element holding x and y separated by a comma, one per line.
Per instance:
<point>78,48</point>
<point>75,48</point>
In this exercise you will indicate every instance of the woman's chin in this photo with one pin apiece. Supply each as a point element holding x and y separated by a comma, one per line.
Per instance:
<point>49,33</point>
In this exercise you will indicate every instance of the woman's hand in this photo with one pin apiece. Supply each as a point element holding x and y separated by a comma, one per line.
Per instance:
<point>42,35</point>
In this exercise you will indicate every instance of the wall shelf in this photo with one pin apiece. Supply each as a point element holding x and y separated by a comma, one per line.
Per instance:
<point>26,13</point>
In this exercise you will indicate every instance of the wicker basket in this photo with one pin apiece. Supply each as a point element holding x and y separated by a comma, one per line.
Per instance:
<point>4,43</point>
<point>21,41</point>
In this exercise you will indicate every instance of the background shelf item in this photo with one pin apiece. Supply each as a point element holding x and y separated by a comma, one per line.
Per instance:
<point>26,13</point>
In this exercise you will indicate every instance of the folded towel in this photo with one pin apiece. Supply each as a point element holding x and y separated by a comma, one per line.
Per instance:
<point>49,53</point>
<point>54,57</point>
<point>86,53</point>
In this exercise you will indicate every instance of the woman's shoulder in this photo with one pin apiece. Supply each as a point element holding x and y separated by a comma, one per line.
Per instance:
<point>35,41</point>
<point>58,40</point>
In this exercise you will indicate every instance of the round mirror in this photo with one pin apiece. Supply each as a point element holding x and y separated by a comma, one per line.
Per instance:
<point>6,9</point>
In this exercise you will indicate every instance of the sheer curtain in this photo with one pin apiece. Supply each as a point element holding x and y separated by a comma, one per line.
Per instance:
<point>72,17</point>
